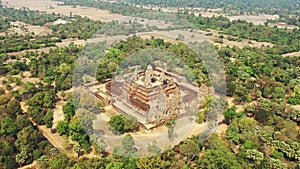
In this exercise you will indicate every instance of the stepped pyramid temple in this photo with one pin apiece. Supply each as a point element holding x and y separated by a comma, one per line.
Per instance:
<point>152,95</point>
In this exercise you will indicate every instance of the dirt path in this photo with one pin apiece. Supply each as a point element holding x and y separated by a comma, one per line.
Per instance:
<point>58,114</point>
<point>296,107</point>
<point>230,104</point>
<point>292,54</point>
<point>54,138</point>
<point>30,166</point>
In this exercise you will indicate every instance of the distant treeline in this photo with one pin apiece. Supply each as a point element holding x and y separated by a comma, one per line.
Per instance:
<point>240,6</point>
<point>285,40</point>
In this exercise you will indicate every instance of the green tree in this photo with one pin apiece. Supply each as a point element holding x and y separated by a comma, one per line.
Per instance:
<point>128,143</point>
<point>77,148</point>
<point>151,162</point>
<point>273,163</point>
<point>63,95</point>
<point>232,133</point>
<point>69,111</point>
<point>255,157</point>
<point>130,123</point>
<point>54,151</point>
<point>60,161</point>
<point>63,128</point>
<point>14,107</point>
<point>4,99</point>
<point>78,133</point>
<point>115,165</point>
<point>22,121</point>
<point>278,93</point>
<point>43,162</point>
<point>49,118</point>
<point>189,149</point>
<point>230,114</point>
<point>9,127</point>
<point>153,148</point>
<point>21,157</point>
<point>28,139</point>
<point>117,124</point>
<point>99,147</point>
<point>247,124</point>
<point>217,155</point>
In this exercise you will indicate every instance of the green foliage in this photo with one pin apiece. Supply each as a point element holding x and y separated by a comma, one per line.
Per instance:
<point>81,28</point>
<point>22,121</point>
<point>218,156</point>
<point>232,133</point>
<point>21,158</point>
<point>189,149</point>
<point>77,148</point>
<point>27,16</point>
<point>295,99</point>
<point>69,111</point>
<point>4,99</point>
<point>14,107</point>
<point>288,19</point>
<point>266,139</point>
<point>63,128</point>
<point>99,147</point>
<point>115,165</point>
<point>117,123</point>
<point>151,162</point>
<point>4,24</point>
<point>285,40</point>
<point>31,141</point>
<point>128,147</point>
<point>120,124</point>
<point>254,156</point>
<point>95,162</point>
<point>16,43</point>
<point>231,113</point>
<point>128,143</point>
<point>273,163</point>
<point>277,155</point>
<point>77,133</point>
<point>61,161</point>
<point>43,162</point>
<point>235,7</point>
<point>9,127</point>
<point>113,7</point>
<point>38,105</point>
<point>48,118</point>
<point>279,93</point>
<point>209,106</point>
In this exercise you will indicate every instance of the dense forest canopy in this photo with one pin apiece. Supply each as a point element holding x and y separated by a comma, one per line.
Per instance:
<point>262,123</point>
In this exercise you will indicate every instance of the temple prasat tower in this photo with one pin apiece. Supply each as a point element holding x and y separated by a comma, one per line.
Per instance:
<point>152,95</point>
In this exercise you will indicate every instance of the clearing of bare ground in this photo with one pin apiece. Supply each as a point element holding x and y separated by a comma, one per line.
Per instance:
<point>57,7</point>
<point>23,28</point>
<point>184,128</point>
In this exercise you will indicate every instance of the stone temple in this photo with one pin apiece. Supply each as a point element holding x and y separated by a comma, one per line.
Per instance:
<point>153,96</point>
